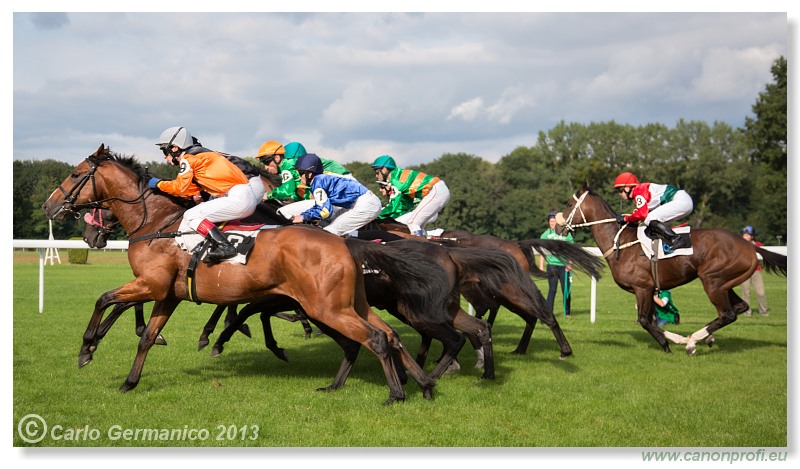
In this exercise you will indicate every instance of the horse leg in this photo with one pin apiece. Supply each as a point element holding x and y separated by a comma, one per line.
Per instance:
<point>138,310</point>
<point>376,340</point>
<point>424,347</point>
<point>425,382</point>
<point>230,316</point>
<point>226,335</point>
<point>350,348</point>
<point>269,337</point>
<point>211,324</point>
<point>726,314</point>
<point>474,327</point>
<point>452,343</point>
<point>162,310</point>
<point>646,309</point>
<point>97,330</point>
<point>298,316</point>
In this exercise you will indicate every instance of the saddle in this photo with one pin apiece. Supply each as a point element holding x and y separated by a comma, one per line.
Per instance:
<point>656,245</point>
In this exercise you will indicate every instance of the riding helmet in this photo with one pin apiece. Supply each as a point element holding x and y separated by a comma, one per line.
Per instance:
<point>384,161</point>
<point>309,162</point>
<point>177,136</point>
<point>626,179</point>
<point>294,150</point>
<point>748,230</point>
<point>270,149</point>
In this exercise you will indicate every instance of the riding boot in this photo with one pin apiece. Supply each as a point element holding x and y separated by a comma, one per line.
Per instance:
<point>671,239</point>
<point>222,248</point>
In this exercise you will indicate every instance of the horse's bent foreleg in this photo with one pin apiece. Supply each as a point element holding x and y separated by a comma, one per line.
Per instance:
<point>231,328</point>
<point>138,310</point>
<point>646,309</point>
<point>425,382</point>
<point>269,337</point>
<point>162,310</point>
<point>230,316</point>
<point>474,327</point>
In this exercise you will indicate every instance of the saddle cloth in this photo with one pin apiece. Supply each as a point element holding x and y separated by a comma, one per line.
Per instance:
<point>242,236</point>
<point>647,243</point>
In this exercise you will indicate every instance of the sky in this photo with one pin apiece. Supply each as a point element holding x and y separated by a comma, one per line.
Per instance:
<point>354,86</point>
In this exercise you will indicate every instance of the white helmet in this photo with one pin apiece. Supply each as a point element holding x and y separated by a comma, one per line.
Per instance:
<point>177,136</point>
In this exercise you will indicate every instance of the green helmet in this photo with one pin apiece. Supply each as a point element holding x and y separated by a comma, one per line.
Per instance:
<point>384,161</point>
<point>294,150</point>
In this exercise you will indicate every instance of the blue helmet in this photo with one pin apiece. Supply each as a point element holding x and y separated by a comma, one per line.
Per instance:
<point>309,162</point>
<point>748,230</point>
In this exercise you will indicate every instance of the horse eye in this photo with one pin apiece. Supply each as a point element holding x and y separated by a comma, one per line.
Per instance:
<point>75,175</point>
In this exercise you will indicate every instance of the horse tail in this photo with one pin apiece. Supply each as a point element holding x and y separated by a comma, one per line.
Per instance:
<point>491,270</point>
<point>773,262</point>
<point>581,259</point>
<point>417,282</point>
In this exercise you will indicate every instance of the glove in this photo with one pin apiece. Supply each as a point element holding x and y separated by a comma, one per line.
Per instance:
<point>620,219</point>
<point>153,184</point>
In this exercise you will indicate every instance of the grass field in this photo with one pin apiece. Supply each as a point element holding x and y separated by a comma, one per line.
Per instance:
<point>618,390</point>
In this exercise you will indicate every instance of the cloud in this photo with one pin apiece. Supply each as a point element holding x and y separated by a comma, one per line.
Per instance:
<point>49,21</point>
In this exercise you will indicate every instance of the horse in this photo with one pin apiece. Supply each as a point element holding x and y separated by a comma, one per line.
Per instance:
<point>523,253</point>
<point>719,258</point>
<point>312,267</point>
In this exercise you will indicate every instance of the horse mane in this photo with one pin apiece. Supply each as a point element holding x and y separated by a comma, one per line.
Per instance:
<point>590,189</point>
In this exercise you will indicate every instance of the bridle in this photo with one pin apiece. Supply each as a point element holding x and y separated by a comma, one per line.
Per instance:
<point>568,222</point>
<point>570,226</point>
<point>95,218</point>
<point>69,205</point>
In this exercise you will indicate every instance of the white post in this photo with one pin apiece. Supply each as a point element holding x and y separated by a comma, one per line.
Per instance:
<point>593,302</point>
<point>41,279</point>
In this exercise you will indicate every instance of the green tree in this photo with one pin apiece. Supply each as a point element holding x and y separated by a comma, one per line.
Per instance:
<point>766,136</point>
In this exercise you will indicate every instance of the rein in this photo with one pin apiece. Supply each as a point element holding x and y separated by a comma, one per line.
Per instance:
<point>615,247</point>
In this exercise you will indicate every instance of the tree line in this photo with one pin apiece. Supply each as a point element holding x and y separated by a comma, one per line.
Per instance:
<point>736,176</point>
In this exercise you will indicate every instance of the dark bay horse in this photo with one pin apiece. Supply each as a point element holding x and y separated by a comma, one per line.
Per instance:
<point>523,253</point>
<point>311,266</point>
<point>720,259</point>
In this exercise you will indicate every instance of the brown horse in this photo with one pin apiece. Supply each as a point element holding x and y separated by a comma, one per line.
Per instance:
<point>720,259</point>
<point>312,267</point>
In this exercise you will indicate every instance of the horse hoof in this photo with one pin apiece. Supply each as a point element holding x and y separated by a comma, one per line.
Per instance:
<point>326,389</point>
<point>488,376</point>
<point>691,350</point>
<point>127,386</point>
<point>427,393</point>
<point>392,400</point>
<point>519,352</point>
<point>216,351</point>
<point>564,355</point>
<point>479,365</point>
<point>454,368</point>
<point>160,340</point>
<point>201,344</point>
<point>84,359</point>
<point>281,353</point>
<point>710,341</point>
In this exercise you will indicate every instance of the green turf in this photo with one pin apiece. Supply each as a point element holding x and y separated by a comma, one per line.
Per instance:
<point>618,390</point>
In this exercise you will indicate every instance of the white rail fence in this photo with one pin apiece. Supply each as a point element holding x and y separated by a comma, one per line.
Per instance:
<point>43,246</point>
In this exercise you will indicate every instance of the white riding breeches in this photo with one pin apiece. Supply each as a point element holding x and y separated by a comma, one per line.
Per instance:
<point>427,211</point>
<point>680,206</point>
<point>366,208</point>
<point>240,202</point>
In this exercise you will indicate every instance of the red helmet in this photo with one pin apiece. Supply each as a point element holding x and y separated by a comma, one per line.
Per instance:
<point>626,179</point>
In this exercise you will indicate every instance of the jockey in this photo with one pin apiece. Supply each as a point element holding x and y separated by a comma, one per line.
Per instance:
<point>233,195</point>
<point>276,161</point>
<point>415,198</point>
<point>656,204</point>
<point>343,205</point>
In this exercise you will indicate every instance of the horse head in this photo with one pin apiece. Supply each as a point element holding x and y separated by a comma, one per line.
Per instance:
<point>585,209</point>
<point>100,223</point>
